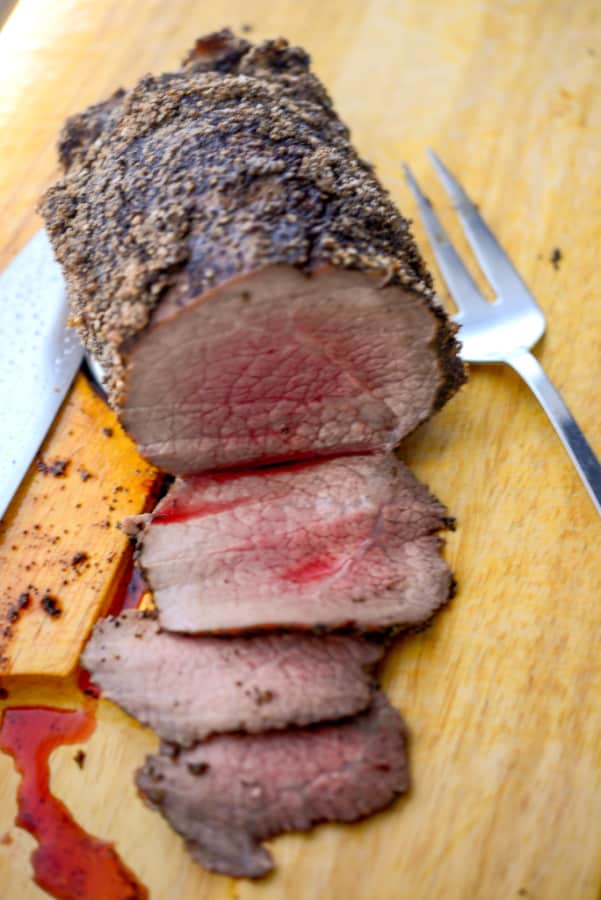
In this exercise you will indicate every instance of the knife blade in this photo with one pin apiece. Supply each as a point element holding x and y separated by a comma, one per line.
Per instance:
<point>39,356</point>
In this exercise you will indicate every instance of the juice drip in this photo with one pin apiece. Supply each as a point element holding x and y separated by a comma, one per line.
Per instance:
<point>86,685</point>
<point>69,863</point>
<point>316,569</point>
<point>175,511</point>
<point>129,592</point>
<point>135,590</point>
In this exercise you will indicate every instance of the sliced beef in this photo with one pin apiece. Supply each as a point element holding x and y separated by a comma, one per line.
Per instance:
<point>186,688</point>
<point>328,544</point>
<point>230,793</point>
<point>247,284</point>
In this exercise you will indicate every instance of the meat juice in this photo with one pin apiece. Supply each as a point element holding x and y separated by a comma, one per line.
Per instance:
<point>68,863</point>
<point>86,685</point>
<point>129,592</point>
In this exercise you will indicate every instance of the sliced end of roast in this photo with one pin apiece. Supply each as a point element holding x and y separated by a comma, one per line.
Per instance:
<point>280,365</point>
<point>228,794</point>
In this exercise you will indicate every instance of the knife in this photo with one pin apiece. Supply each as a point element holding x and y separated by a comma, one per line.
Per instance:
<point>39,356</point>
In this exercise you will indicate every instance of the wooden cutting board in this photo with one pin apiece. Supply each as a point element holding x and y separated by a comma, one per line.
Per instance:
<point>502,694</point>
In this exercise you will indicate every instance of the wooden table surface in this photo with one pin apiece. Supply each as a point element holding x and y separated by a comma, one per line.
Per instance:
<point>502,694</point>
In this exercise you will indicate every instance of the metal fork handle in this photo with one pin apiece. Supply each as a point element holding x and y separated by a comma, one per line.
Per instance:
<point>581,452</point>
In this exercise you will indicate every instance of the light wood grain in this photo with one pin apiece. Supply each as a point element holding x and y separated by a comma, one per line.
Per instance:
<point>502,693</point>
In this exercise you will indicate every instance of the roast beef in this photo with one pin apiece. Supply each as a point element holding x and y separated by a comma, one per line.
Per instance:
<point>344,542</point>
<point>267,328</point>
<point>247,284</point>
<point>228,794</point>
<point>186,688</point>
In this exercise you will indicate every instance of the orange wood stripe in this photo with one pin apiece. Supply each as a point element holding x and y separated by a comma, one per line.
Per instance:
<point>60,537</point>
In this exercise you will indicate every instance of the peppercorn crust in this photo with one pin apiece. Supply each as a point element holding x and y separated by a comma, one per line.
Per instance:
<point>234,162</point>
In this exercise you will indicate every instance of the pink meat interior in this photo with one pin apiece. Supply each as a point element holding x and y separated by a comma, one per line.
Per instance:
<point>295,545</point>
<point>278,366</point>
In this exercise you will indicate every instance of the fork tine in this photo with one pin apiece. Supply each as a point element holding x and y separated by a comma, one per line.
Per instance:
<point>495,263</point>
<point>462,286</point>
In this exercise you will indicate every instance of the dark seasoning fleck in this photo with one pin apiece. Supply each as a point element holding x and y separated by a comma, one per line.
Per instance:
<point>51,605</point>
<point>200,768</point>
<point>262,697</point>
<point>54,467</point>
<point>15,611</point>
<point>79,558</point>
<point>556,257</point>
